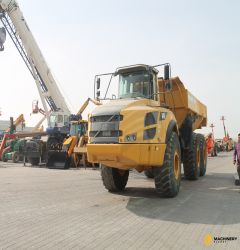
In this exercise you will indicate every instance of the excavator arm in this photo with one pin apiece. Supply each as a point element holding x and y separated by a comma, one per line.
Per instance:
<point>85,104</point>
<point>17,122</point>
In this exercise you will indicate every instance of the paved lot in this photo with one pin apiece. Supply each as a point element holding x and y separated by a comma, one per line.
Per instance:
<point>57,209</point>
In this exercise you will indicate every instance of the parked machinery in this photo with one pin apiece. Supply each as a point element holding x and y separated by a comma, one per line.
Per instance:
<point>149,127</point>
<point>14,149</point>
<point>34,151</point>
<point>73,148</point>
<point>15,146</point>
<point>52,99</point>
<point>9,135</point>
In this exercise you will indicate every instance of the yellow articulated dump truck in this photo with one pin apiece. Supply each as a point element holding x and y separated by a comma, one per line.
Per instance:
<point>148,127</point>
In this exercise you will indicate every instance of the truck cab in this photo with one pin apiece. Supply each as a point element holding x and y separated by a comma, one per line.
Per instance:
<point>137,81</point>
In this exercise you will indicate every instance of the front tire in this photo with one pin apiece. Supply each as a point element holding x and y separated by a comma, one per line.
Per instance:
<point>168,177</point>
<point>114,180</point>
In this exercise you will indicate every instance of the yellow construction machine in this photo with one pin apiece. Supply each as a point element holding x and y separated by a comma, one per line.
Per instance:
<point>73,150</point>
<point>148,127</point>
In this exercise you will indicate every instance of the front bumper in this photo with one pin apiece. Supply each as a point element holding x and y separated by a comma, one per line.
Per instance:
<point>127,156</point>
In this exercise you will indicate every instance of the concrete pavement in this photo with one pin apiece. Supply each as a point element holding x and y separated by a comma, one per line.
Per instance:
<point>70,209</point>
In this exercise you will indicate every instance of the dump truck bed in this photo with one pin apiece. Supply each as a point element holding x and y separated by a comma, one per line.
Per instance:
<point>182,103</point>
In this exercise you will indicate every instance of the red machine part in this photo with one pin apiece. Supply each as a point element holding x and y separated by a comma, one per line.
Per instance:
<point>36,109</point>
<point>3,144</point>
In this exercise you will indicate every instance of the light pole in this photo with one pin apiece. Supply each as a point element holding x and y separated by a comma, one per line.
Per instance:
<point>223,119</point>
<point>212,126</point>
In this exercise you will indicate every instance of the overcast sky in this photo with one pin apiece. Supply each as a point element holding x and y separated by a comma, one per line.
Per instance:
<point>79,39</point>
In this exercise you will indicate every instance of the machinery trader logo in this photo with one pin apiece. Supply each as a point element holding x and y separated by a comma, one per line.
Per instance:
<point>209,239</point>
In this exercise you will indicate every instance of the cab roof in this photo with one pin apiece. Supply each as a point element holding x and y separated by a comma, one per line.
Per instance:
<point>135,68</point>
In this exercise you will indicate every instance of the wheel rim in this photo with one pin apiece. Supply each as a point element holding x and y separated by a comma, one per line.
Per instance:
<point>176,165</point>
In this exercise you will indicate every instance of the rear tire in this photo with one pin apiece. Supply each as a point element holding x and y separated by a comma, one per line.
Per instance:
<point>203,154</point>
<point>191,161</point>
<point>168,177</point>
<point>114,180</point>
<point>149,173</point>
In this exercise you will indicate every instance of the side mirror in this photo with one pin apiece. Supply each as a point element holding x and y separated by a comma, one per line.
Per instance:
<point>166,72</point>
<point>98,83</point>
<point>168,85</point>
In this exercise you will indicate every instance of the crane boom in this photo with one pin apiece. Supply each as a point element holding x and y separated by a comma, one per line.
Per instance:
<point>17,28</point>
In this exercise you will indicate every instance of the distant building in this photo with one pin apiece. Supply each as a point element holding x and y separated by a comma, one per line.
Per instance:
<point>4,125</point>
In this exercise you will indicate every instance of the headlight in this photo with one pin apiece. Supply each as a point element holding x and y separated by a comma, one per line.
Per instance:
<point>131,137</point>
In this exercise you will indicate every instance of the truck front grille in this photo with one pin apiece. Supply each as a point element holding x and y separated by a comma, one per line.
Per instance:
<point>105,133</point>
<point>106,118</point>
<point>105,128</point>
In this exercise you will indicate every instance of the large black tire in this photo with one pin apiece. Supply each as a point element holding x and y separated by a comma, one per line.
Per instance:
<point>149,173</point>
<point>34,161</point>
<point>203,154</point>
<point>15,157</point>
<point>191,159</point>
<point>168,177</point>
<point>114,180</point>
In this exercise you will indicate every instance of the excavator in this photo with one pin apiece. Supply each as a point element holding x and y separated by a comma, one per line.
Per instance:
<point>73,148</point>
<point>16,147</point>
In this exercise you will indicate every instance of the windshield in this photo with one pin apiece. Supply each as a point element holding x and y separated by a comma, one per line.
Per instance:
<point>78,129</point>
<point>58,120</point>
<point>74,128</point>
<point>135,84</point>
<point>53,121</point>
